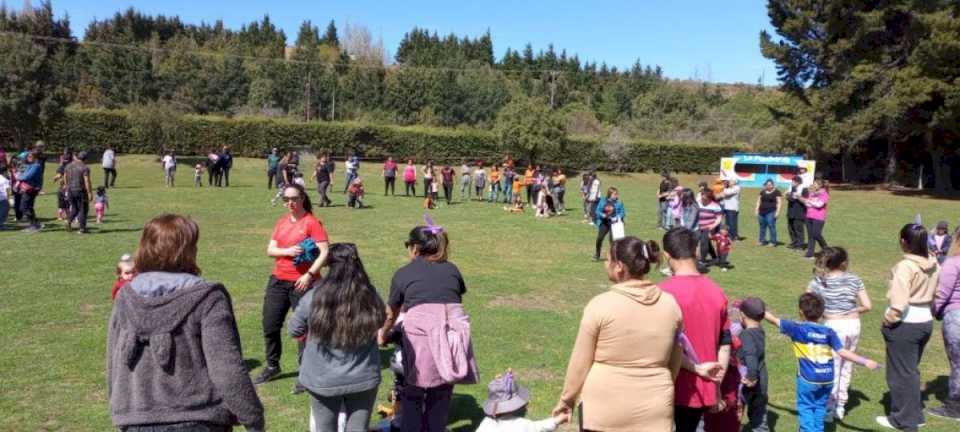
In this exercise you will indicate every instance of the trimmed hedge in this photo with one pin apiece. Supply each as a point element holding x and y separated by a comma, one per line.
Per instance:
<point>92,130</point>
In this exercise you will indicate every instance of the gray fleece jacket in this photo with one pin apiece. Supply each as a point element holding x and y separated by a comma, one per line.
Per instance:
<point>328,371</point>
<point>173,355</point>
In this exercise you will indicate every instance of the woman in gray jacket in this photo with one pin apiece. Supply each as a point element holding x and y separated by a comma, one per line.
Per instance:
<point>174,361</point>
<point>341,361</point>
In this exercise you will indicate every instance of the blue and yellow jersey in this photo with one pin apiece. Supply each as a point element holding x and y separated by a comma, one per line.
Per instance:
<point>814,345</point>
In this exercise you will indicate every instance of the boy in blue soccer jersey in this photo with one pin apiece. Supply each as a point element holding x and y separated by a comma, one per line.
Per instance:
<point>814,345</point>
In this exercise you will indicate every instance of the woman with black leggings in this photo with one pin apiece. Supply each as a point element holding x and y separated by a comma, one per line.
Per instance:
<point>609,211</point>
<point>816,215</point>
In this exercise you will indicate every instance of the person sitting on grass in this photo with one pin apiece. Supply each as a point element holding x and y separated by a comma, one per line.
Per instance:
<point>814,345</point>
<point>506,408</point>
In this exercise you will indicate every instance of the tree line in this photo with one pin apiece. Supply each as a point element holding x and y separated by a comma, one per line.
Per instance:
<point>871,82</point>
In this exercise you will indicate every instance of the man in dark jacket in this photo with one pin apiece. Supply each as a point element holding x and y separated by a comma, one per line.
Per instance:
<point>796,213</point>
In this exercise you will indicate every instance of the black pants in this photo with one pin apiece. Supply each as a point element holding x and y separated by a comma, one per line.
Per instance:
<point>279,298</point>
<point>322,188</point>
<point>687,419</point>
<point>731,218</point>
<point>79,207</point>
<point>211,173</point>
<point>178,427</point>
<point>905,343</point>
<point>390,184</point>
<point>755,402</point>
<point>27,200</point>
<point>815,234</point>
<point>271,175</point>
<point>226,176</point>
<point>426,187</point>
<point>796,231</point>
<point>602,231</point>
<point>448,192</point>
<point>109,177</point>
<point>532,193</point>
<point>425,409</point>
<point>707,251</point>
<point>410,188</point>
<point>17,211</point>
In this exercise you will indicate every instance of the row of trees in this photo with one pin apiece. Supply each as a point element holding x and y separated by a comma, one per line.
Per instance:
<point>138,62</point>
<point>862,76</point>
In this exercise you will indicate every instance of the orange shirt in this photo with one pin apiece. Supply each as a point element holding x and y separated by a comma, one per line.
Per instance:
<point>287,234</point>
<point>528,177</point>
<point>517,184</point>
<point>494,176</point>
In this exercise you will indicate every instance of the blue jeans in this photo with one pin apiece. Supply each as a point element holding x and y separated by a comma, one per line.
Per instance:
<point>507,190</point>
<point>350,175</point>
<point>494,191</point>
<point>812,404</point>
<point>768,221</point>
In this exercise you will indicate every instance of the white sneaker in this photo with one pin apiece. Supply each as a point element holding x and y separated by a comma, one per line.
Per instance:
<point>885,422</point>
<point>839,413</point>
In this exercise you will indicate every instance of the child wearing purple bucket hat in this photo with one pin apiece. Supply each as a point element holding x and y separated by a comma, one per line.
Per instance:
<point>506,406</point>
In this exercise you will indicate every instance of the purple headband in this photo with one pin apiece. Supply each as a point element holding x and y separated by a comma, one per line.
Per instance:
<point>431,227</point>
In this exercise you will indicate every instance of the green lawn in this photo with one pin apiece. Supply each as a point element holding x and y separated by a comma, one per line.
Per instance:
<point>527,281</point>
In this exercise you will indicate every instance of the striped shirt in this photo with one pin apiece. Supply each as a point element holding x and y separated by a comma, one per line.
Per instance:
<point>839,292</point>
<point>709,215</point>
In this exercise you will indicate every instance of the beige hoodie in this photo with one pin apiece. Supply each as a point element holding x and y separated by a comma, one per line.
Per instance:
<point>913,281</point>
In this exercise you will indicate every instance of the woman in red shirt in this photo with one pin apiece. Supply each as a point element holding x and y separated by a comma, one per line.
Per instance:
<point>289,281</point>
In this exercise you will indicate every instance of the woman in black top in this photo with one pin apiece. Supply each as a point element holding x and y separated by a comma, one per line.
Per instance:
<point>429,291</point>
<point>767,211</point>
<point>323,175</point>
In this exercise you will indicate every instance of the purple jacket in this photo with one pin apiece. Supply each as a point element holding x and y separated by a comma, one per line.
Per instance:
<point>437,340</point>
<point>949,291</point>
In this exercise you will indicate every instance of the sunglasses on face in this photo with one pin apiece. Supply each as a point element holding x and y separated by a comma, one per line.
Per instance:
<point>287,199</point>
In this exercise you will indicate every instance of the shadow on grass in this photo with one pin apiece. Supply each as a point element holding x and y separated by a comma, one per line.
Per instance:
<point>926,193</point>
<point>465,408</point>
<point>114,230</point>
<point>251,364</point>
<point>938,389</point>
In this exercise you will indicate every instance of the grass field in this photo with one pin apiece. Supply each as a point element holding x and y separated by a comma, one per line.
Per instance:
<point>527,282</point>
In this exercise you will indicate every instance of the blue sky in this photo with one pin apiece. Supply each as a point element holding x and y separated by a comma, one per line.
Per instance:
<point>704,39</point>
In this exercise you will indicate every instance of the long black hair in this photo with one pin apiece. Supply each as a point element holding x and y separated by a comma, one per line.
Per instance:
<point>346,310</point>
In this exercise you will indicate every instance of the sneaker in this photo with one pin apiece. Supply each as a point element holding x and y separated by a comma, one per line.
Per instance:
<point>268,373</point>
<point>298,389</point>
<point>840,413</point>
<point>885,422</point>
<point>83,231</point>
<point>945,413</point>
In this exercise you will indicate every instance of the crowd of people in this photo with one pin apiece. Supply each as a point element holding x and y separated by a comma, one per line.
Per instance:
<point>713,211</point>
<point>697,362</point>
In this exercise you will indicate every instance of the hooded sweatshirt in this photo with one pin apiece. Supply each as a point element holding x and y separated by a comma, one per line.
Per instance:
<point>173,355</point>
<point>913,282</point>
<point>634,325</point>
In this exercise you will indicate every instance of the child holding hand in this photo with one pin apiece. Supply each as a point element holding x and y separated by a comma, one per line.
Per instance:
<point>814,345</point>
<point>506,409</point>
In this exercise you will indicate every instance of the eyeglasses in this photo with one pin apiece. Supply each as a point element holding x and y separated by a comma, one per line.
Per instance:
<point>287,199</point>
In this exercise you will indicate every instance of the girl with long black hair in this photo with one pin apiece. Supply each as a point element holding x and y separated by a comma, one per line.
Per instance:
<point>341,360</point>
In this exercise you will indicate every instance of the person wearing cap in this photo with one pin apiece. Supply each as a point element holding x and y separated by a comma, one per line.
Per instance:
<point>273,162</point>
<point>506,406</point>
<point>76,177</point>
<point>752,355</point>
<point>940,241</point>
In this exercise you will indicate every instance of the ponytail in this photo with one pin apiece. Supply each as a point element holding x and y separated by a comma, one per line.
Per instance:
<point>638,256</point>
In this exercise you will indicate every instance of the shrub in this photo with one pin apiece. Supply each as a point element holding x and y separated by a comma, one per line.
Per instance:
<point>92,130</point>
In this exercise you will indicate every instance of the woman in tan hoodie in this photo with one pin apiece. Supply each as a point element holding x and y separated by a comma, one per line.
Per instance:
<point>907,325</point>
<point>626,355</point>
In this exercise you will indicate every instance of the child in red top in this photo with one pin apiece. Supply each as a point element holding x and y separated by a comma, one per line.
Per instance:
<point>355,193</point>
<point>723,246</point>
<point>125,273</point>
